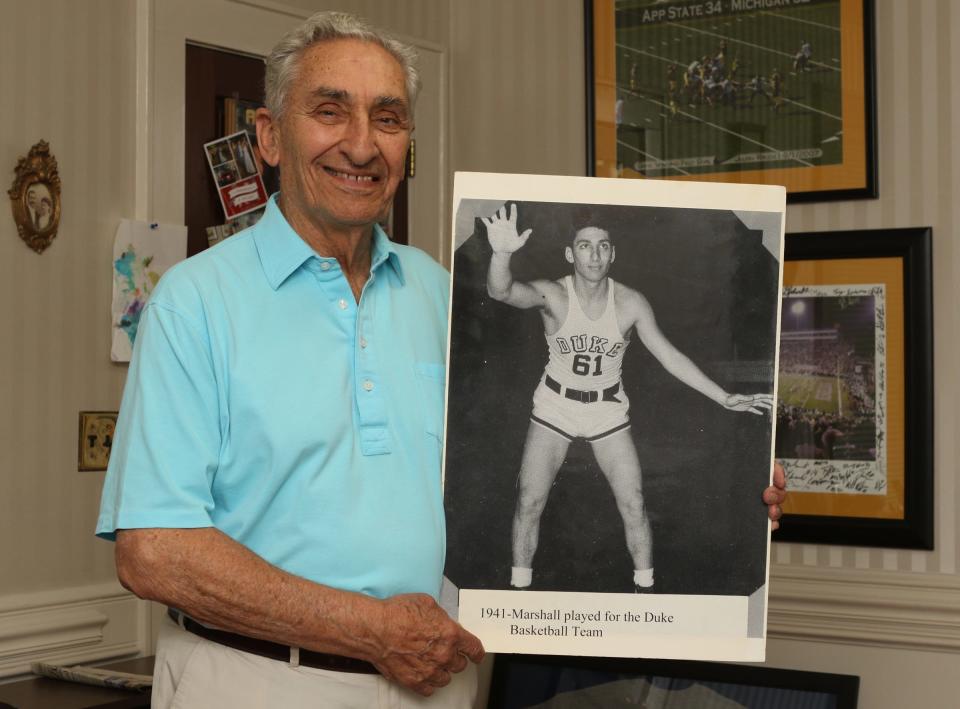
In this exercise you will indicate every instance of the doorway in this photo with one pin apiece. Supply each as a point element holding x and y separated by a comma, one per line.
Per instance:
<point>212,76</point>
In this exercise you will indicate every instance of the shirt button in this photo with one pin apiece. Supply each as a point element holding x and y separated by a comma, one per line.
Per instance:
<point>363,342</point>
<point>324,265</point>
<point>368,385</point>
<point>342,303</point>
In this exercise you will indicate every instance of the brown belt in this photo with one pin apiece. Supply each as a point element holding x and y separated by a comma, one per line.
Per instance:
<point>273,651</point>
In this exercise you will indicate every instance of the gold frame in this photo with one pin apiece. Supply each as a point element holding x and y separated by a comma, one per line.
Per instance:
<point>36,171</point>
<point>854,177</point>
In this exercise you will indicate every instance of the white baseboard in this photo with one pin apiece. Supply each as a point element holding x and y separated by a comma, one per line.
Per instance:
<point>875,608</point>
<point>69,626</point>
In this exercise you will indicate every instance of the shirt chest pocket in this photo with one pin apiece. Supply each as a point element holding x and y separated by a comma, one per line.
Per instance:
<point>431,383</point>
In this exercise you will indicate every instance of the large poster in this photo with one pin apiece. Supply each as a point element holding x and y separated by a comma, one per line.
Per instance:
<point>610,414</point>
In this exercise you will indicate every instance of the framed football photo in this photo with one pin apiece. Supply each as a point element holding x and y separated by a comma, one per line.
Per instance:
<point>734,91</point>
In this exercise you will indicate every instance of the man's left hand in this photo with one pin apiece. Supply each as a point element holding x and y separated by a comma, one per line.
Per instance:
<point>774,495</point>
<point>419,646</point>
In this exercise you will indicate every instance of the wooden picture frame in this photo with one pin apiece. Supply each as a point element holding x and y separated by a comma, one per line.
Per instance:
<point>554,680</point>
<point>863,476</point>
<point>35,197</point>
<point>95,439</point>
<point>722,90</point>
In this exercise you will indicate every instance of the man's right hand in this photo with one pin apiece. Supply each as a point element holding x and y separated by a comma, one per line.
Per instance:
<point>502,230</point>
<point>420,646</point>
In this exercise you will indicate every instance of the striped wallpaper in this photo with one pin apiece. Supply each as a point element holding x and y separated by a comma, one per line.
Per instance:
<point>66,77</point>
<point>518,106</point>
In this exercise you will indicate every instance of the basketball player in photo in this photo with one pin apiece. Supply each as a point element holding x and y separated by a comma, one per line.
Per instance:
<point>588,321</point>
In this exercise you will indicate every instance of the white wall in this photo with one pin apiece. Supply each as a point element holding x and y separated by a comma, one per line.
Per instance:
<point>67,74</point>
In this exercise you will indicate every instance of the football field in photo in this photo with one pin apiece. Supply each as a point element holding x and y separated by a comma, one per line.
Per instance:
<point>813,392</point>
<point>664,134</point>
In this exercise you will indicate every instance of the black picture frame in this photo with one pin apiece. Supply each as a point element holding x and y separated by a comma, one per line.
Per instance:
<point>520,681</point>
<point>855,177</point>
<point>912,246</point>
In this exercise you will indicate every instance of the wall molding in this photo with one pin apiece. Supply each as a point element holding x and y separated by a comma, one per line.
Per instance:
<point>69,626</point>
<point>859,607</point>
<point>838,606</point>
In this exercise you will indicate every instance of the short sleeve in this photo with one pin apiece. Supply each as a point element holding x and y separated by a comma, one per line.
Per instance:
<point>167,443</point>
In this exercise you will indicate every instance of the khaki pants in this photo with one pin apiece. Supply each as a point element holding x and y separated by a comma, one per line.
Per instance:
<point>192,672</point>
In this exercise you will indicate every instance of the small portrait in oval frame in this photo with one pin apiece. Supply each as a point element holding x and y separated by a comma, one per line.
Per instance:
<point>35,197</point>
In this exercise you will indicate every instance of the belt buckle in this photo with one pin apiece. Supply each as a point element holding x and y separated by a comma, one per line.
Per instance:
<point>584,397</point>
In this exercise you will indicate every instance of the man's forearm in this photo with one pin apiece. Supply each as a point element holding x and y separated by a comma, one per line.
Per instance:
<point>683,368</point>
<point>499,276</point>
<point>219,582</point>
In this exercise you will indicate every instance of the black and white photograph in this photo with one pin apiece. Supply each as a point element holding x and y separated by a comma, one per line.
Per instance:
<point>610,408</point>
<point>40,206</point>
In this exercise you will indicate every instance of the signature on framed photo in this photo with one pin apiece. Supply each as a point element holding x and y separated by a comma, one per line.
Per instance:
<point>855,388</point>
<point>831,414</point>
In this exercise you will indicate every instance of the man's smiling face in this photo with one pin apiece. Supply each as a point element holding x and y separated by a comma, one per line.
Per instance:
<point>344,134</point>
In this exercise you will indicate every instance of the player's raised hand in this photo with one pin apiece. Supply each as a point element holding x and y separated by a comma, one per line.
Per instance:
<point>502,230</point>
<point>754,403</point>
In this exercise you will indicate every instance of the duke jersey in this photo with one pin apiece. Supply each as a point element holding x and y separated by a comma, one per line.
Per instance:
<point>586,354</point>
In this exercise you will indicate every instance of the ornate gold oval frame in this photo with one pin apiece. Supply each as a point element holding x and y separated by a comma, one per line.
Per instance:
<point>35,197</point>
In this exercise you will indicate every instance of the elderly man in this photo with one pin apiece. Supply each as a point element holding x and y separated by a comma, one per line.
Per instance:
<point>275,477</point>
<point>276,473</point>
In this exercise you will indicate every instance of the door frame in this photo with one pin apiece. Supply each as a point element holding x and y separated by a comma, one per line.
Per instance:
<point>252,27</point>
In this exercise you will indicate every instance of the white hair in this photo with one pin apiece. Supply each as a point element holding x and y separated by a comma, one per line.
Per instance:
<point>282,64</point>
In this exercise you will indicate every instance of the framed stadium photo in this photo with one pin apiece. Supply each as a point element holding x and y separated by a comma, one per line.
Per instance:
<point>734,91</point>
<point>855,389</point>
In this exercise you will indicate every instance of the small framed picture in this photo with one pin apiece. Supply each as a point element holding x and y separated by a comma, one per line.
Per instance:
<point>35,197</point>
<point>96,439</point>
<point>234,167</point>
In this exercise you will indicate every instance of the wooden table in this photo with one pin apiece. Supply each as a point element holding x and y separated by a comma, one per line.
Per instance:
<point>47,693</point>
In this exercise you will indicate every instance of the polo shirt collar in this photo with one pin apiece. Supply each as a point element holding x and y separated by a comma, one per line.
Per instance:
<point>385,251</point>
<point>282,251</point>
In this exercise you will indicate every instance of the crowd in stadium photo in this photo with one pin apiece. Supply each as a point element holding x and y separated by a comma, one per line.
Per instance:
<point>826,407</point>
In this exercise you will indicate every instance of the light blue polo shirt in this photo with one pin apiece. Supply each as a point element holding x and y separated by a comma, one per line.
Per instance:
<point>263,400</point>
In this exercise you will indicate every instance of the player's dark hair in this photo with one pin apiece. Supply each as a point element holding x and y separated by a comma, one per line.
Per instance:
<point>589,225</point>
<point>584,216</point>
